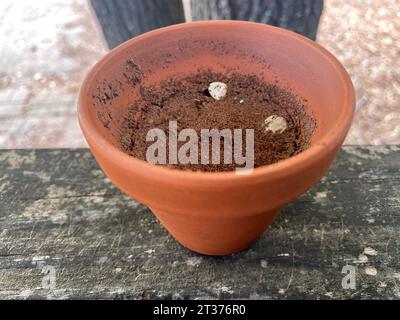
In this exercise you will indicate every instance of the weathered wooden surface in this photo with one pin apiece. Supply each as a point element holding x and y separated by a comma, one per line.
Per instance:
<point>301,16</point>
<point>59,214</point>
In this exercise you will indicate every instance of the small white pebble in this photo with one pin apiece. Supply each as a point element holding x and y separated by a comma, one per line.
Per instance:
<point>264,264</point>
<point>217,90</point>
<point>362,258</point>
<point>241,101</point>
<point>284,255</point>
<point>275,124</point>
<point>226,290</point>
<point>371,271</point>
<point>321,195</point>
<point>175,263</point>
<point>370,251</point>
<point>194,261</point>
<point>117,270</point>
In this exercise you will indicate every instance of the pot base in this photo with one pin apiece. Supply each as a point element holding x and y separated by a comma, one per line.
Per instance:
<point>216,237</point>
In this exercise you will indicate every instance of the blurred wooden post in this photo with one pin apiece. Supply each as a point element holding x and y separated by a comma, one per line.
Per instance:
<point>301,16</point>
<point>124,19</point>
<point>121,20</point>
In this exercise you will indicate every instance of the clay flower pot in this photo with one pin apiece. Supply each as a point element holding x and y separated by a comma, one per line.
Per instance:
<point>216,213</point>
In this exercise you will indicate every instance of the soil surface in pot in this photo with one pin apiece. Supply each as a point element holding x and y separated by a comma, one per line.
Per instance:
<point>282,127</point>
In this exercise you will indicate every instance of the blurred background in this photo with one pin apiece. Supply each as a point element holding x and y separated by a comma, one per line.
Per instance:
<point>48,46</point>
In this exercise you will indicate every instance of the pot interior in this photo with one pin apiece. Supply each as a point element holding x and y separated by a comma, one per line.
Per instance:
<point>270,53</point>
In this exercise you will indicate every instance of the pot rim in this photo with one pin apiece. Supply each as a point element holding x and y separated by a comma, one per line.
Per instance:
<point>320,149</point>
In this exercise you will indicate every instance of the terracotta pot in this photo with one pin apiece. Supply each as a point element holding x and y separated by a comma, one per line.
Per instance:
<point>217,213</point>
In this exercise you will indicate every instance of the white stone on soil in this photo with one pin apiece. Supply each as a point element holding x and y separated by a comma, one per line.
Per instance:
<point>217,90</point>
<point>275,124</point>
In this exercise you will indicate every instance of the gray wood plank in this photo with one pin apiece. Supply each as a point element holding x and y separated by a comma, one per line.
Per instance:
<point>60,216</point>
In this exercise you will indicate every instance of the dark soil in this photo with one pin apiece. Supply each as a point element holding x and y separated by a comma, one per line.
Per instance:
<point>133,73</point>
<point>248,102</point>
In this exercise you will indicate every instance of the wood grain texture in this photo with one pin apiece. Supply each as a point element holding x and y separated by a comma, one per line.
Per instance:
<point>301,16</point>
<point>123,20</point>
<point>57,209</point>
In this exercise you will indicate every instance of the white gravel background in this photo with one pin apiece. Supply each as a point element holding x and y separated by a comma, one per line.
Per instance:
<point>365,36</point>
